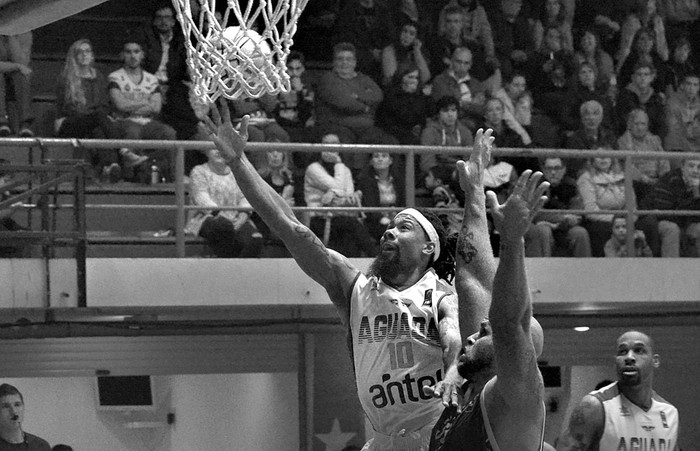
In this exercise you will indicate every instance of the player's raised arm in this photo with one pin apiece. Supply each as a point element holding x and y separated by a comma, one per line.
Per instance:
<point>476,265</point>
<point>516,397</point>
<point>327,267</point>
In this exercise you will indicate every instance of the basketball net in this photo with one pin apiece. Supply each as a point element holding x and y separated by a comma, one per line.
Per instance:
<point>232,63</point>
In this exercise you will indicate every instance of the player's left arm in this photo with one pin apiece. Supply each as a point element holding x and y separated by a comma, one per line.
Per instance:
<point>451,342</point>
<point>519,387</point>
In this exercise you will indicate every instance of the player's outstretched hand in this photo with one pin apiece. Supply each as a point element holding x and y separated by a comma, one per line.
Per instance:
<point>447,389</point>
<point>471,172</point>
<point>230,142</point>
<point>513,218</point>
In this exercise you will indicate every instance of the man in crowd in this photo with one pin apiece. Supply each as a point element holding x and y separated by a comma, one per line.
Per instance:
<point>627,414</point>
<point>11,417</point>
<point>683,116</point>
<point>504,407</point>
<point>402,317</point>
<point>136,103</point>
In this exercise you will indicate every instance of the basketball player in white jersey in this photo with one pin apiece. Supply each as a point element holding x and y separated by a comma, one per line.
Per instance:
<point>628,414</point>
<point>503,399</point>
<point>402,316</point>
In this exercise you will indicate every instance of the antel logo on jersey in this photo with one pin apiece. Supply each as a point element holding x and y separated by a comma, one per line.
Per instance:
<point>408,389</point>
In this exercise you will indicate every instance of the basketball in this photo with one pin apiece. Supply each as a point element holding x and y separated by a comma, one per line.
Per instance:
<point>248,42</point>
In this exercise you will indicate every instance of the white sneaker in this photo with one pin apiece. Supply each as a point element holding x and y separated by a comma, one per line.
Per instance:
<point>131,158</point>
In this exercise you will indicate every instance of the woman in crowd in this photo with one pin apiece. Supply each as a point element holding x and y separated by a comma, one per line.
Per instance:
<point>406,51</point>
<point>643,50</point>
<point>644,15</point>
<point>589,51</point>
<point>328,183</point>
<point>276,172</point>
<point>677,66</point>
<point>381,185</point>
<point>553,14</point>
<point>602,187</point>
<point>404,110</point>
<point>82,104</point>
<point>229,233</point>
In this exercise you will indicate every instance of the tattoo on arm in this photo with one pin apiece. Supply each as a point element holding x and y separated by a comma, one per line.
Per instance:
<point>465,246</point>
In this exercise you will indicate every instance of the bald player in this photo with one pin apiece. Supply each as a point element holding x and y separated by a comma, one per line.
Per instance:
<point>628,414</point>
<point>503,406</point>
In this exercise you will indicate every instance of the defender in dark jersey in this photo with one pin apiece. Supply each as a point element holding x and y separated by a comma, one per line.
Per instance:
<point>503,408</point>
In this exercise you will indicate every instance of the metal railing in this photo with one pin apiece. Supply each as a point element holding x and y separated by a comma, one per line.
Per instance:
<point>410,153</point>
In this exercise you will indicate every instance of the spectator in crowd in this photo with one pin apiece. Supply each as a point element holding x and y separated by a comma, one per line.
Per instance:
<point>512,36</point>
<point>640,93</point>
<point>602,187</point>
<point>587,88</point>
<point>646,172</point>
<point>448,38</point>
<point>643,15</point>
<point>381,185</point>
<point>163,44</point>
<point>680,18</point>
<point>553,14</point>
<point>262,125</point>
<point>551,67</point>
<point>590,135</point>
<point>136,103</point>
<point>295,109</point>
<point>457,82</point>
<point>406,50</point>
<point>506,136</point>
<point>589,51</point>
<point>369,26</point>
<point>616,246</point>
<point>678,65</point>
<point>229,233</point>
<point>346,104</point>
<point>276,172</point>
<point>475,32</point>
<point>643,52</point>
<point>558,233</point>
<point>515,89</point>
<point>595,422</point>
<point>444,130</point>
<point>15,59</point>
<point>677,190</point>
<point>602,17</point>
<point>82,108</point>
<point>405,107</point>
<point>12,436</point>
<point>166,58</point>
<point>62,447</point>
<point>328,183</point>
<point>683,116</point>
<point>541,129</point>
<point>7,223</point>
<point>439,181</point>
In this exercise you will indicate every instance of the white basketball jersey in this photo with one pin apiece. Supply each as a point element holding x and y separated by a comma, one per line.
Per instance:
<point>134,92</point>
<point>396,351</point>
<point>628,427</point>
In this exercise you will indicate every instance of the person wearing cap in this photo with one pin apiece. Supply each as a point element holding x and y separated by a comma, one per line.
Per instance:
<point>11,417</point>
<point>402,315</point>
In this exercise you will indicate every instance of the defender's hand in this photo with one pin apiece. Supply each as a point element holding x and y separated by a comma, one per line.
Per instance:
<point>231,143</point>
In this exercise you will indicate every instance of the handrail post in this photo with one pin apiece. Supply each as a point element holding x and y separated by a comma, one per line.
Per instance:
<point>411,178</point>
<point>180,201</point>
<point>629,193</point>
<point>80,224</point>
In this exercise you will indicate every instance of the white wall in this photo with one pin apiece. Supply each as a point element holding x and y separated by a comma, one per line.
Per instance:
<point>212,412</point>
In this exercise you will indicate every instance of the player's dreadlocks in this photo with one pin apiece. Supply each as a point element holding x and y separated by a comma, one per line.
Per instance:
<point>445,264</point>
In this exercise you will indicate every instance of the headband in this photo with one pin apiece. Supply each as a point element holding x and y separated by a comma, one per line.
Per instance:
<point>427,226</point>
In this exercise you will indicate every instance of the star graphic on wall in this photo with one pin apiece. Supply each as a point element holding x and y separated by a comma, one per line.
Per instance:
<point>336,439</point>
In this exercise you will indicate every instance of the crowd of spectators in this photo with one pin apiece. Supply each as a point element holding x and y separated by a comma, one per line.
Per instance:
<point>540,73</point>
